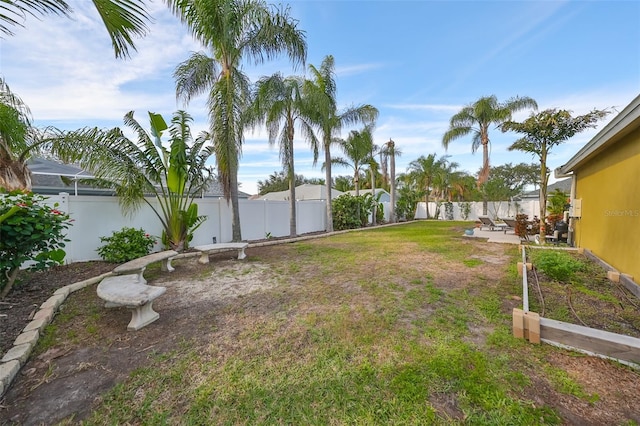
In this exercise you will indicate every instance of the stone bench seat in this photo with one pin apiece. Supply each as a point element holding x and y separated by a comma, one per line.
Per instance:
<point>127,291</point>
<point>137,266</point>
<point>216,248</point>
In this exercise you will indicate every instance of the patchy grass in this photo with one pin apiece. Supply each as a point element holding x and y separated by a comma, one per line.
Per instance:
<point>402,325</point>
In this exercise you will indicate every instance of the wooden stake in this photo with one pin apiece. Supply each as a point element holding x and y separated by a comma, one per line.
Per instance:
<point>532,326</point>
<point>518,323</point>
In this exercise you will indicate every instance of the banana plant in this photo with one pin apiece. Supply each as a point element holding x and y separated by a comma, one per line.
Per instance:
<point>175,173</point>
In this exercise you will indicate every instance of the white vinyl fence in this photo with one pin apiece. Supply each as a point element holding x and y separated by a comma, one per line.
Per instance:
<point>495,209</point>
<point>98,216</point>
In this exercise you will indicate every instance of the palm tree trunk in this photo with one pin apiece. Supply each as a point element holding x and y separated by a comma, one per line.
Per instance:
<point>426,199</point>
<point>327,162</point>
<point>236,232</point>
<point>392,219</point>
<point>484,175</point>
<point>292,193</point>
<point>14,174</point>
<point>373,193</point>
<point>544,179</point>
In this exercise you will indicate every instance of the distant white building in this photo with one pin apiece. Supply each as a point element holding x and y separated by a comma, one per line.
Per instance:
<point>385,197</point>
<point>304,192</point>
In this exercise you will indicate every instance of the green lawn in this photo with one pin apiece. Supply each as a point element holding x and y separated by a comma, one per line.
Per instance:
<point>403,325</point>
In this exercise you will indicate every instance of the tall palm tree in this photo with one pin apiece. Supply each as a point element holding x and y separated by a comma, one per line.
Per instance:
<point>123,19</point>
<point>232,30</point>
<point>423,172</point>
<point>373,171</point>
<point>389,152</point>
<point>358,149</point>
<point>322,92</point>
<point>280,102</point>
<point>443,179</point>
<point>476,118</point>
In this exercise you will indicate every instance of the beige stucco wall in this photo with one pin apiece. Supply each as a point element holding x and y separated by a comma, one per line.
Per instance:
<point>609,186</point>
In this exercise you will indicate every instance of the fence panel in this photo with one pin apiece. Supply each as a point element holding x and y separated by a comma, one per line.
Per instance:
<point>277,218</point>
<point>210,228</point>
<point>95,217</point>
<point>495,209</point>
<point>311,216</point>
<point>99,216</point>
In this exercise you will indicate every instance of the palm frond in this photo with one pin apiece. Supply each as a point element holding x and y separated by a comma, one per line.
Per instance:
<point>195,76</point>
<point>14,12</point>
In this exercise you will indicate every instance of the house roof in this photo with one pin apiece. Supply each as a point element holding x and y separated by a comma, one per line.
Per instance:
<point>51,177</point>
<point>624,123</point>
<point>44,167</point>
<point>306,191</point>
<point>563,185</point>
<point>215,190</point>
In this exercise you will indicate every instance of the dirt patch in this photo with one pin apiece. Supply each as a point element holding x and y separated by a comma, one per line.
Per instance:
<point>100,352</point>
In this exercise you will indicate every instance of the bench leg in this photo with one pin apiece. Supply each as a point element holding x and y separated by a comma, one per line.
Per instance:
<point>166,266</point>
<point>141,316</point>
<point>241,254</point>
<point>141,279</point>
<point>204,258</point>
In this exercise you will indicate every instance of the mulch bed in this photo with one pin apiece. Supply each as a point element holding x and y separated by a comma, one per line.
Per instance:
<point>34,288</point>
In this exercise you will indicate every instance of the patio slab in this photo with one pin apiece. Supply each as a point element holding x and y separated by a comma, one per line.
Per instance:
<point>495,236</point>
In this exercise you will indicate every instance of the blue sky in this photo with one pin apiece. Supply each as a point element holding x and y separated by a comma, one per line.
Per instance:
<point>418,62</point>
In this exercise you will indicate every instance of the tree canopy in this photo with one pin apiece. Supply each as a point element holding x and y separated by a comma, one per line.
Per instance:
<point>279,181</point>
<point>542,132</point>
<point>233,31</point>
<point>475,119</point>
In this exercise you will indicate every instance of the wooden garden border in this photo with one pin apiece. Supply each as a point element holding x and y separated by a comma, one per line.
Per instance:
<point>590,341</point>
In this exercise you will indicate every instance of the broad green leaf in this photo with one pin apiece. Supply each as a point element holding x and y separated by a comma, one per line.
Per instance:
<point>158,125</point>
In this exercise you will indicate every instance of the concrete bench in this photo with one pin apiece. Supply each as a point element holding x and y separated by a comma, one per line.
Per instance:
<point>137,266</point>
<point>126,290</point>
<point>216,248</point>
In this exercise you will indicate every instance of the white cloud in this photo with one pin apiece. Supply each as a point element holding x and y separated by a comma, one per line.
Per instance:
<point>351,70</point>
<point>83,79</point>
<point>426,107</point>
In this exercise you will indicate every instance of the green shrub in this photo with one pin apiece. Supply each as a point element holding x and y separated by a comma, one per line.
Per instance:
<point>350,212</point>
<point>407,203</point>
<point>126,244</point>
<point>29,231</point>
<point>557,265</point>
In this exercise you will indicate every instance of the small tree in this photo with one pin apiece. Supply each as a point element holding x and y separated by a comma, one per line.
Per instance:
<point>507,181</point>
<point>175,176</point>
<point>542,132</point>
<point>558,202</point>
<point>29,231</point>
